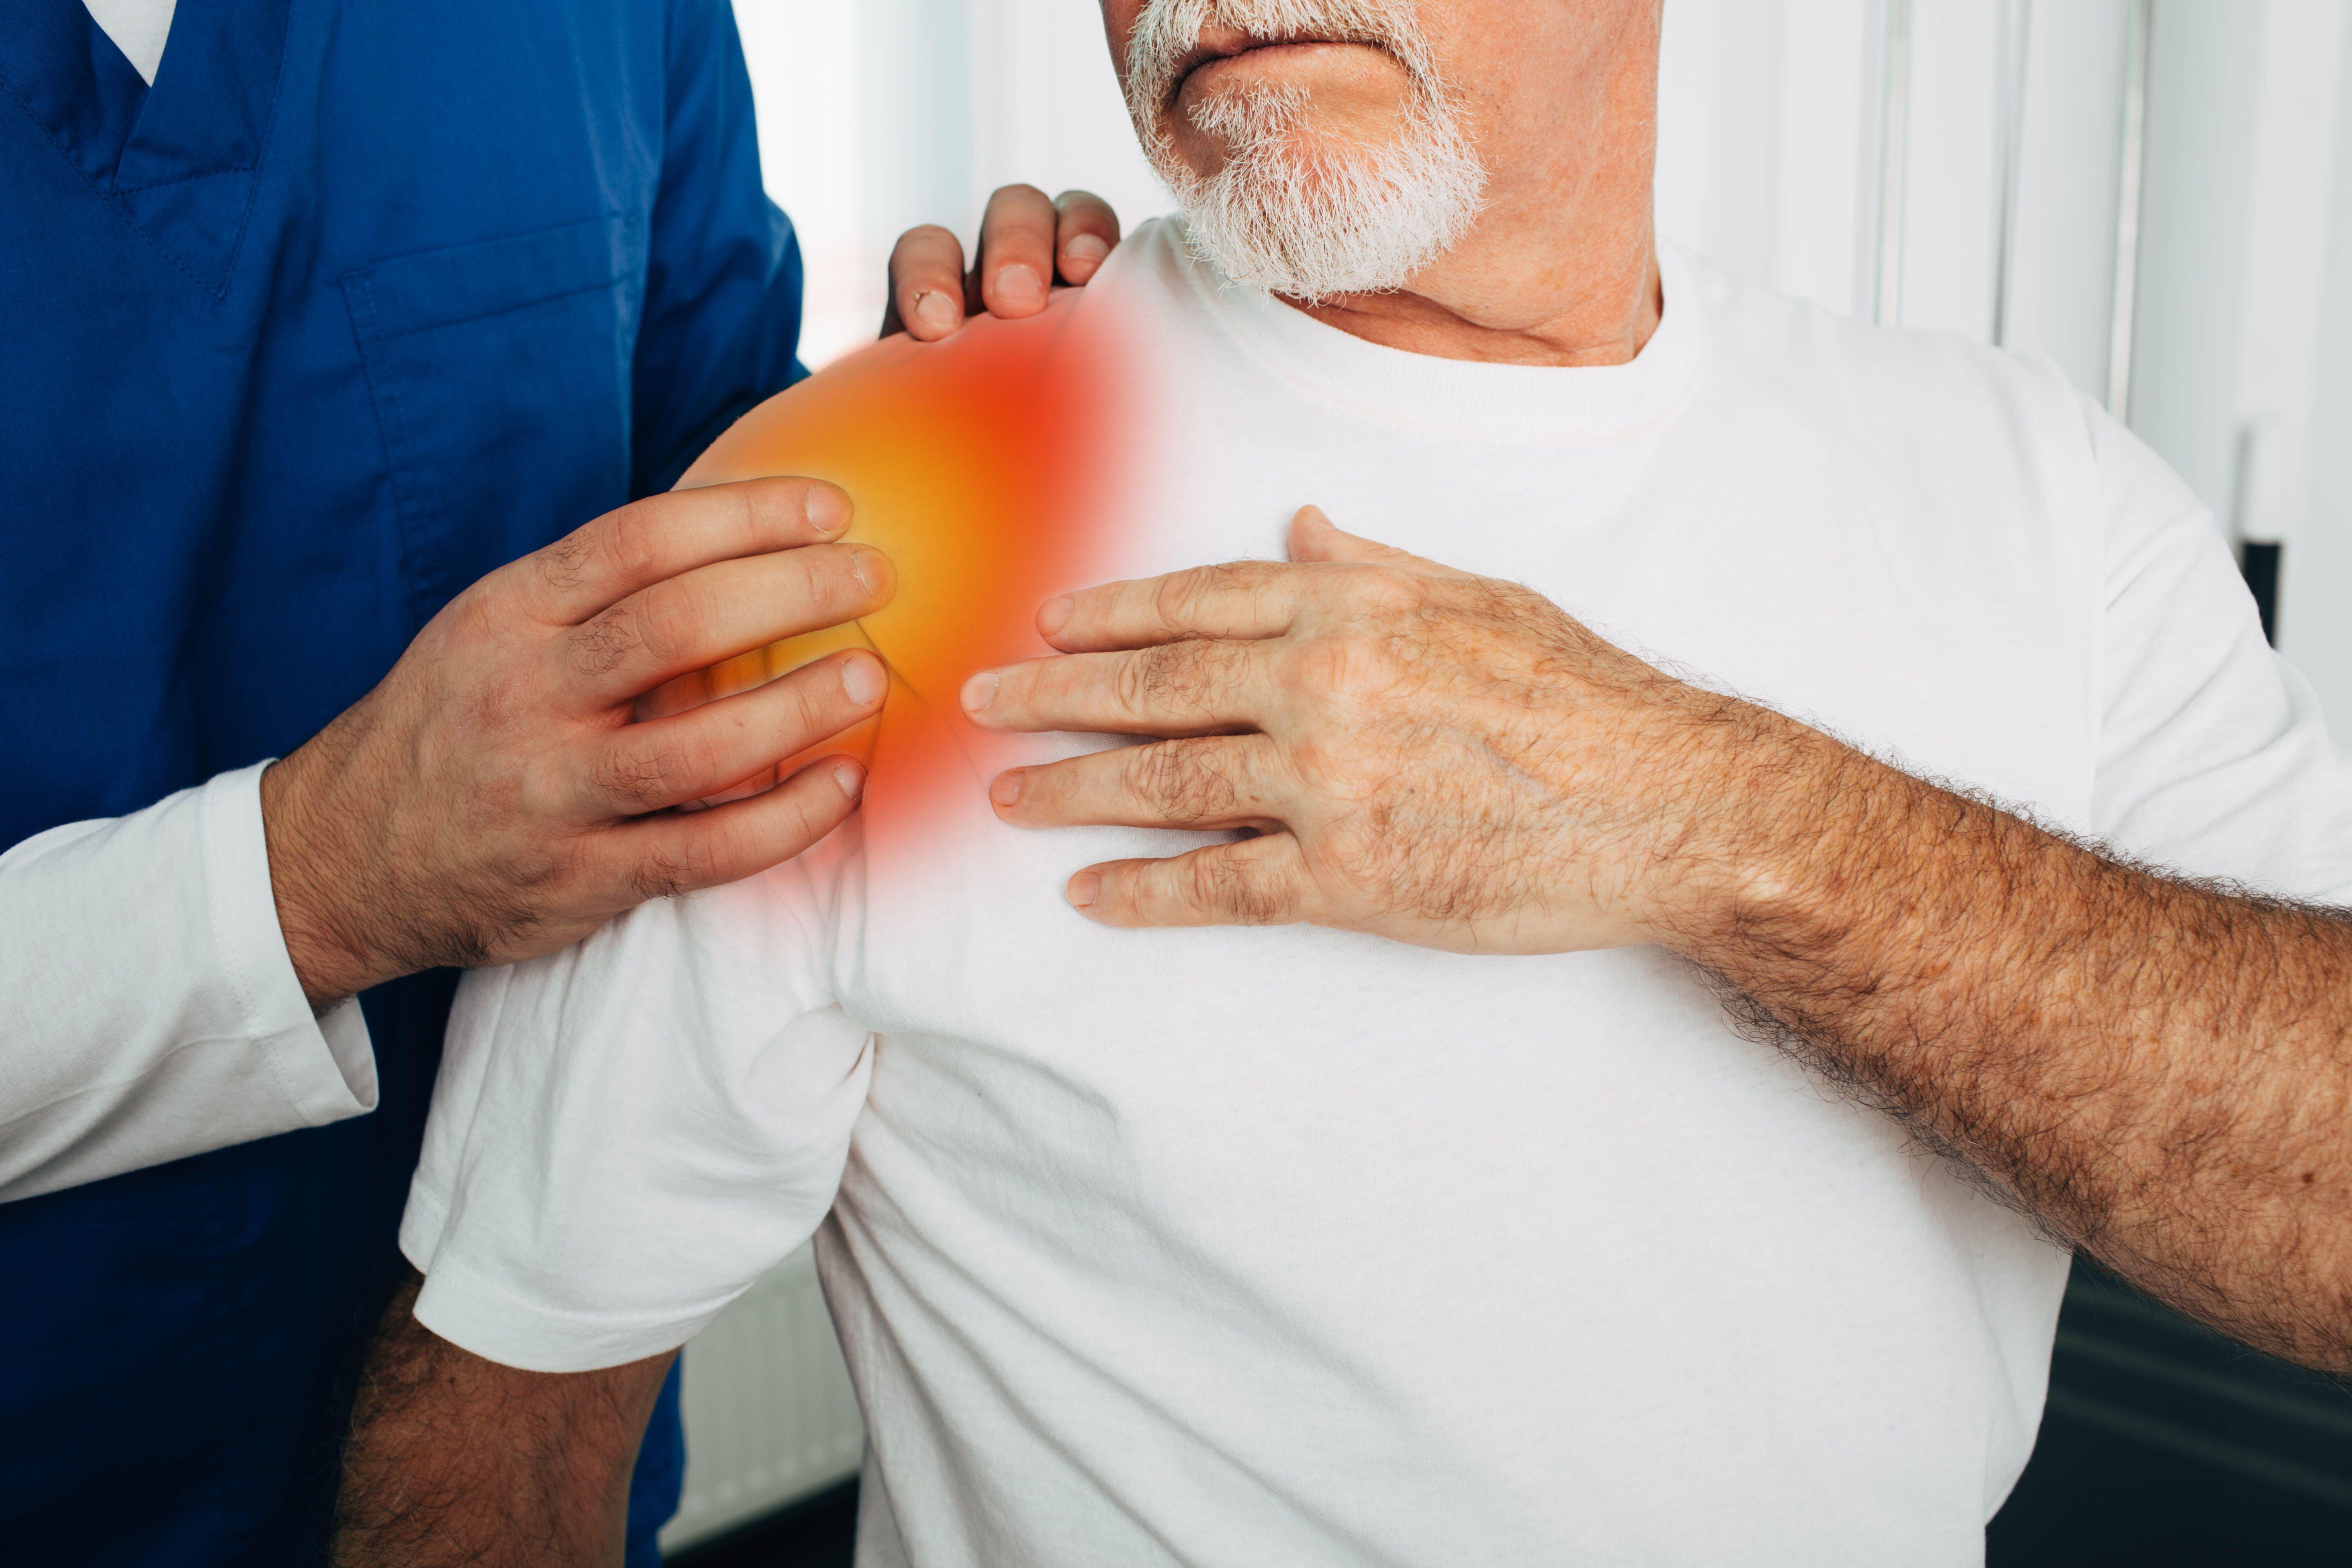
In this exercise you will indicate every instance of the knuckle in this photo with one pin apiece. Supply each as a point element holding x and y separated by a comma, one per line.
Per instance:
<point>1174,597</point>
<point>666,873</point>
<point>641,779</point>
<point>1388,590</point>
<point>1236,887</point>
<point>1326,763</point>
<point>813,705</point>
<point>603,644</point>
<point>1349,669</point>
<point>811,815</point>
<point>1180,596</point>
<point>630,541</point>
<point>662,621</point>
<point>1185,783</point>
<point>564,565</point>
<point>1132,682</point>
<point>1170,675</point>
<point>768,511</point>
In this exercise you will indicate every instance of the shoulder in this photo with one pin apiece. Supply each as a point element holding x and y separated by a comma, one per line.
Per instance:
<point>1940,391</point>
<point>1931,429</point>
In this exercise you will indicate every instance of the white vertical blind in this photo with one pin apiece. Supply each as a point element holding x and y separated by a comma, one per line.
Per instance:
<point>2063,240</point>
<point>1938,162</point>
<point>2315,611</point>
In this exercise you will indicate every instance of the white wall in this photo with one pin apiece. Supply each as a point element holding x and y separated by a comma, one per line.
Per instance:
<point>877,115</point>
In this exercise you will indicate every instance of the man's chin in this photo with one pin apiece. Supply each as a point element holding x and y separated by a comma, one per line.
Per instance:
<point>1308,143</point>
<point>1336,91</point>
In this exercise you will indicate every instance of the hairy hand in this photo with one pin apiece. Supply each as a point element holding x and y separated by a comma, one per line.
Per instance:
<point>1424,755</point>
<point>491,800</point>
<point>1027,244</point>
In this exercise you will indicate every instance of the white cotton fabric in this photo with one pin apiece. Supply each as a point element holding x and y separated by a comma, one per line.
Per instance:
<point>152,1011</point>
<point>139,28</point>
<point>1244,1247</point>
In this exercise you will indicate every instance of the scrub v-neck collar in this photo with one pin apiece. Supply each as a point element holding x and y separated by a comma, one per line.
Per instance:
<point>179,160</point>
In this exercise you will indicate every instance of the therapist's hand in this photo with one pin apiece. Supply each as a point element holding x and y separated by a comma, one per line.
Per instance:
<point>491,799</point>
<point>1027,244</point>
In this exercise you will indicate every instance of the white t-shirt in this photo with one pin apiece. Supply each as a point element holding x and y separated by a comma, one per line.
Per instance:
<point>1298,1247</point>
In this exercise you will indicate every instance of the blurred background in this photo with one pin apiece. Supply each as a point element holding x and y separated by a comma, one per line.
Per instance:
<point>2156,194</point>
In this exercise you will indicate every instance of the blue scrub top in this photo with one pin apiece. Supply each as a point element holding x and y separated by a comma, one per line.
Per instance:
<point>361,300</point>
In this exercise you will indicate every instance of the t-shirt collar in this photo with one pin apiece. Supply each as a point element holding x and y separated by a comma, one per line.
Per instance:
<point>1509,403</point>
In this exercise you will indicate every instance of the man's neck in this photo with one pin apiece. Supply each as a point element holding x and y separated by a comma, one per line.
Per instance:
<point>1560,266</point>
<point>1596,310</point>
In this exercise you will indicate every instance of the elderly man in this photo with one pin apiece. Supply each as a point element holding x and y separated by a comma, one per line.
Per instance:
<point>1454,1218</point>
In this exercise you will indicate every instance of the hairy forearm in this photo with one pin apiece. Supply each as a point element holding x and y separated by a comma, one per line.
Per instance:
<point>2159,1070</point>
<point>453,1460</point>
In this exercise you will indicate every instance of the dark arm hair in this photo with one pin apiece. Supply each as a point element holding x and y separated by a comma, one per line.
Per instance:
<point>458,1462</point>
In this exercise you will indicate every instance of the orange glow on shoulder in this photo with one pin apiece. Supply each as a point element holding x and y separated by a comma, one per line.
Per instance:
<point>979,465</point>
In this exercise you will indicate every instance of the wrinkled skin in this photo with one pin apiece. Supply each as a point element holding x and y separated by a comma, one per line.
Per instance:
<point>1424,755</point>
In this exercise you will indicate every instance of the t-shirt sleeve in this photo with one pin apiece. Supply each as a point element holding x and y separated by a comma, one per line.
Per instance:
<point>628,1134</point>
<point>2213,758</point>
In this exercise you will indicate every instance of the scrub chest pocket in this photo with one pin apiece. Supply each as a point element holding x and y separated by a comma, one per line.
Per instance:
<point>500,376</point>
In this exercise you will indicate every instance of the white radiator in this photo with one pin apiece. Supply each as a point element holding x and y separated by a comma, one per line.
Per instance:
<point>769,1415</point>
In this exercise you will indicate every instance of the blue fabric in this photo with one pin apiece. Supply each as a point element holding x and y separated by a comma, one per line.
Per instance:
<point>360,301</point>
<point>660,1477</point>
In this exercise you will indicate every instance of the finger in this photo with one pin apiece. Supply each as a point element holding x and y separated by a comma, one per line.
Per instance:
<point>1016,252</point>
<point>925,285</point>
<point>1177,689</point>
<point>595,567</point>
<point>1240,600</point>
<point>1086,233</point>
<point>1314,537</point>
<point>692,621</point>
<point>1213,783</point>
<point>691,756</point>
<point>1258,881</point>
<point>667,855</point>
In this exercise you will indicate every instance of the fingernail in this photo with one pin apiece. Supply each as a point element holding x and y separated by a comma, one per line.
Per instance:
<point>978,690</point>
<point>827,509</point>
<point>1007,790</point>
<point>1084,887</point>
<point>873,569</point>
<point>1054,614</point>
<point>849,776</point>
<point>1020,287</point>
<point>1086,247</point>
<point>863,681</point>
<point>937,312</point>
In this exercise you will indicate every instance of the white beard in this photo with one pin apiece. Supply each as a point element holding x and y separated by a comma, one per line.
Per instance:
<point>1284,214</point>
